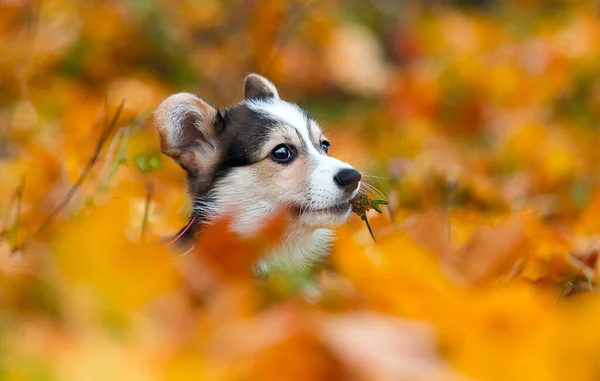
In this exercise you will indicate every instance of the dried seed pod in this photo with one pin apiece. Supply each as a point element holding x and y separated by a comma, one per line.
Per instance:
<point>361,204</point>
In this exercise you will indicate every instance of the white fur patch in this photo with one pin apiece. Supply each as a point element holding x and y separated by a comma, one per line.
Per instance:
<point>287,113</point>
<point>301,250</point>
<point>239,194</point>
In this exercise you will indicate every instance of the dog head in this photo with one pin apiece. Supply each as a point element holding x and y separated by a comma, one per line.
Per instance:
<point>254,158</point>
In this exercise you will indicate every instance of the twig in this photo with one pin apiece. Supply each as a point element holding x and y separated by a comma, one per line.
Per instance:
<point>19,196</point>
<point>5,227</point>
<point>110,153</point>
<point>149,191</point>
<point>18,199</point>
<point>82,177</point>
<point>283,36</point>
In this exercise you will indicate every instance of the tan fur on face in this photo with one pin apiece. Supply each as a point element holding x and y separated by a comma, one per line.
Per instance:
<point>287,183</point>
<point>252,193</point>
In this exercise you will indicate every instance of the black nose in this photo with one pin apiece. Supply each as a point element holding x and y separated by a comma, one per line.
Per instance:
<point>347,178</point>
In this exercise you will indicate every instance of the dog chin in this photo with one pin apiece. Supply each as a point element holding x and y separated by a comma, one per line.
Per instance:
<point>326,218</point>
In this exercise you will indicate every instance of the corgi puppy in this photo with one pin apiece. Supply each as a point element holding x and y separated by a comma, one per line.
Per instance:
<point>250,160</point>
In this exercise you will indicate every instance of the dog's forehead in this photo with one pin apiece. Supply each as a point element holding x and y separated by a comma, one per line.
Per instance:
<point>289,118</point>
<point>252,126</point>
<point>280,111</point>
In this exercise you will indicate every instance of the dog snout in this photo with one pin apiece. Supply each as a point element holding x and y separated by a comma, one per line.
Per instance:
<point>347,178</point>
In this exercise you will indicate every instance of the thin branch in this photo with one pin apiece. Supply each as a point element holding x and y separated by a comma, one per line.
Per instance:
<point>18,200</point>
<point>82,177</point>
<point>298,10</point>
<point>6,227</point>
<point>149,191</point>
<point>19,195</point>
<point>111,155</point>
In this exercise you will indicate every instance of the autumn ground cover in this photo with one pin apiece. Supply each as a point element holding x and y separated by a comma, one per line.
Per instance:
<point>477,120</point>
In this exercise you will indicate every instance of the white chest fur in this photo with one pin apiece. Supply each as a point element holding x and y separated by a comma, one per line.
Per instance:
<point>299,249</point>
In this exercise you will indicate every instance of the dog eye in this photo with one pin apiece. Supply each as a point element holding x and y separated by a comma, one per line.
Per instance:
<point>325,146</point>
<point>282,154</point>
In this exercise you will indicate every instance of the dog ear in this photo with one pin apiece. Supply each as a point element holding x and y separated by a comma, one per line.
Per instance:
<point>189,129</point>
<point>257,87</point>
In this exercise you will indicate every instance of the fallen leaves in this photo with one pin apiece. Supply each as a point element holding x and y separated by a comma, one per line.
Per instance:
<point>480,122</point>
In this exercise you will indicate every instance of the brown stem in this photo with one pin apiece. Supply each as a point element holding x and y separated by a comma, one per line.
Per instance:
<point>82,177</point>
<point>149,191</point>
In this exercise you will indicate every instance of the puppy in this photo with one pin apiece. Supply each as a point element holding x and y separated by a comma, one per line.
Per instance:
<point>252,159</point>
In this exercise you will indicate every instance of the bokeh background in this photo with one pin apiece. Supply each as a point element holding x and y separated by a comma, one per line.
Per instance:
<point>478,120</point>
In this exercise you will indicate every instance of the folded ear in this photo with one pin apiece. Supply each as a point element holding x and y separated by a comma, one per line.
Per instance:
<point>256,87</point>
<point>189,129</point>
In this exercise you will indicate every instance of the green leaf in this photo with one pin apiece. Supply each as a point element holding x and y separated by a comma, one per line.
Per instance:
<point>375,205</point>
<point>380,202</point>
<point>154,162</point>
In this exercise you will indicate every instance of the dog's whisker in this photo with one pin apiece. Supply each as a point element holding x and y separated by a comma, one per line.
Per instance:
<point>373,177</point>
<point>305,203</point>
<point>370,175</point>
<point>369,189</point>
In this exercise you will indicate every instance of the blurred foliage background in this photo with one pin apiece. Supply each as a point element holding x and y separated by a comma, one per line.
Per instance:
<point>477,119</point>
